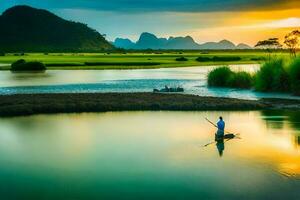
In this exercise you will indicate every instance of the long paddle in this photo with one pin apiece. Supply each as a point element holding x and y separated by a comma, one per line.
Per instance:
<point>217,126</point>
<point>214,142</point>
<point>236,136</point>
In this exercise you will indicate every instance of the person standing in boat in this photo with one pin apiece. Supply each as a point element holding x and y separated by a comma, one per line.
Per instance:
<point>221,128</point>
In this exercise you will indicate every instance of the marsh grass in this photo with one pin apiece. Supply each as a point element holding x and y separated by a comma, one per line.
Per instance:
<point>276,75</point>
<point>272,77</point>
<point>219,77</point>
<point>225,77</point>
<point>294,74</point>
<point>241,80</point>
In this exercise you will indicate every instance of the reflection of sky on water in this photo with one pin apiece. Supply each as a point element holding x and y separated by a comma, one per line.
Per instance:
<point>192,79</point>
<point>156,153</point>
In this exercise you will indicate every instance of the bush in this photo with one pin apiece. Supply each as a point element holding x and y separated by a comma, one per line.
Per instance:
<point>240,80</point>
<point>294,74</point>
<point>203,59</point>
<point>219,77</point>
<point>181,59</point>
<point>2,54</point>
<point>225,77</point>
<point>22,65</point>
<point>121,63</point>
<point>226,58</point>
<point>218,59</point>
<point>258,59</point>
<point>18,63</point>
<point>272,77</point>
<point>63,64</point>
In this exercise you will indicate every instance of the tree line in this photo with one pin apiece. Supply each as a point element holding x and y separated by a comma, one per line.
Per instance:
<point>291,42</point>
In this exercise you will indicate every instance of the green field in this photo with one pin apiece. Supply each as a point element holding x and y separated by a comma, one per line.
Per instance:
<point>133,60</point>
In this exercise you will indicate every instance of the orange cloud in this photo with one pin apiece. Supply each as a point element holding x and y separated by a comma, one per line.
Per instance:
<point>247,27</point>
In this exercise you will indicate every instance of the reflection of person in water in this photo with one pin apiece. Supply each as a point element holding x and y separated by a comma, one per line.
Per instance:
<point>220,145</point>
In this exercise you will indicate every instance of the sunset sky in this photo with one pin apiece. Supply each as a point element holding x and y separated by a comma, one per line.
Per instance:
<point>236,20</point>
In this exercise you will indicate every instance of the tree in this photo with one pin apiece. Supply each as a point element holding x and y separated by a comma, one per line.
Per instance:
<point>292,41</point>
<point>269,45</point>
<point>22,65</point>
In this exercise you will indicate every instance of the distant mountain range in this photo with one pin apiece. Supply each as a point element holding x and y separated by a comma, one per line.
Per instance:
<point>150,41</point>
<point>26,29</point>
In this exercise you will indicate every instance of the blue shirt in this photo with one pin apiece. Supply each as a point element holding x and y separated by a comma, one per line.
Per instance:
<point>221,125</point>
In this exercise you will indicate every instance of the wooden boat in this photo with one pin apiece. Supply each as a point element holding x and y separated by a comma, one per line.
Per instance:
<point>226,136</point>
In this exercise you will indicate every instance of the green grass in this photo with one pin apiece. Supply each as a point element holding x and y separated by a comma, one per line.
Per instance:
<point>294,73</point>
<point>219,77</point>
<point>225,77</point>
<point>221,59</point>
<point>275,75</point>
<point>241,80</point>
<point>272,77</point>
<point>182,59</point>
<point>133,60</point>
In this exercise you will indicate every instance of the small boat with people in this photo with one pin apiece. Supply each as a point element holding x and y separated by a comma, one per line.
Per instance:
<point>221,136</point>
<point>169,89</point>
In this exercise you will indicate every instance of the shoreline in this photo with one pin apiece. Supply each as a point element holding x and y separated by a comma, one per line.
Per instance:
<point>123,67</point>
<point>31,104</point>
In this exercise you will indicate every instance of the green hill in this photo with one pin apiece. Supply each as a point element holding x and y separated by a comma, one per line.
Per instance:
<point>26,29</point>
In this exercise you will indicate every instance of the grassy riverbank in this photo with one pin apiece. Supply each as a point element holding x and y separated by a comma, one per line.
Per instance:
<point>137,60</point>
<point>275,75</point>
<point>29,104</point>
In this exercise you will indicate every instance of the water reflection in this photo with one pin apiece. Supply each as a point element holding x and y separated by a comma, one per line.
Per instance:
<point>192,79</point>
<point>280,119</point>
<point>297,140</point>
<point>220,142</point>
<point>149,155</point>
<point>220,146</point>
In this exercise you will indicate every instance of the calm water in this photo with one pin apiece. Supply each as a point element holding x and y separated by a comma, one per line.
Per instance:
<point>150,155</point>
<point>193,79</point>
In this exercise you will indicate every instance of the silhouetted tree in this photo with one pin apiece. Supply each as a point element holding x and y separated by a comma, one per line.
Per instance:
<point>269,45</point>
<point>292,41</point>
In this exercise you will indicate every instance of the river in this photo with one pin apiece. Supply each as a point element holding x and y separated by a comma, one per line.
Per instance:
<point>192,79</point>
<point>150,155</point>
